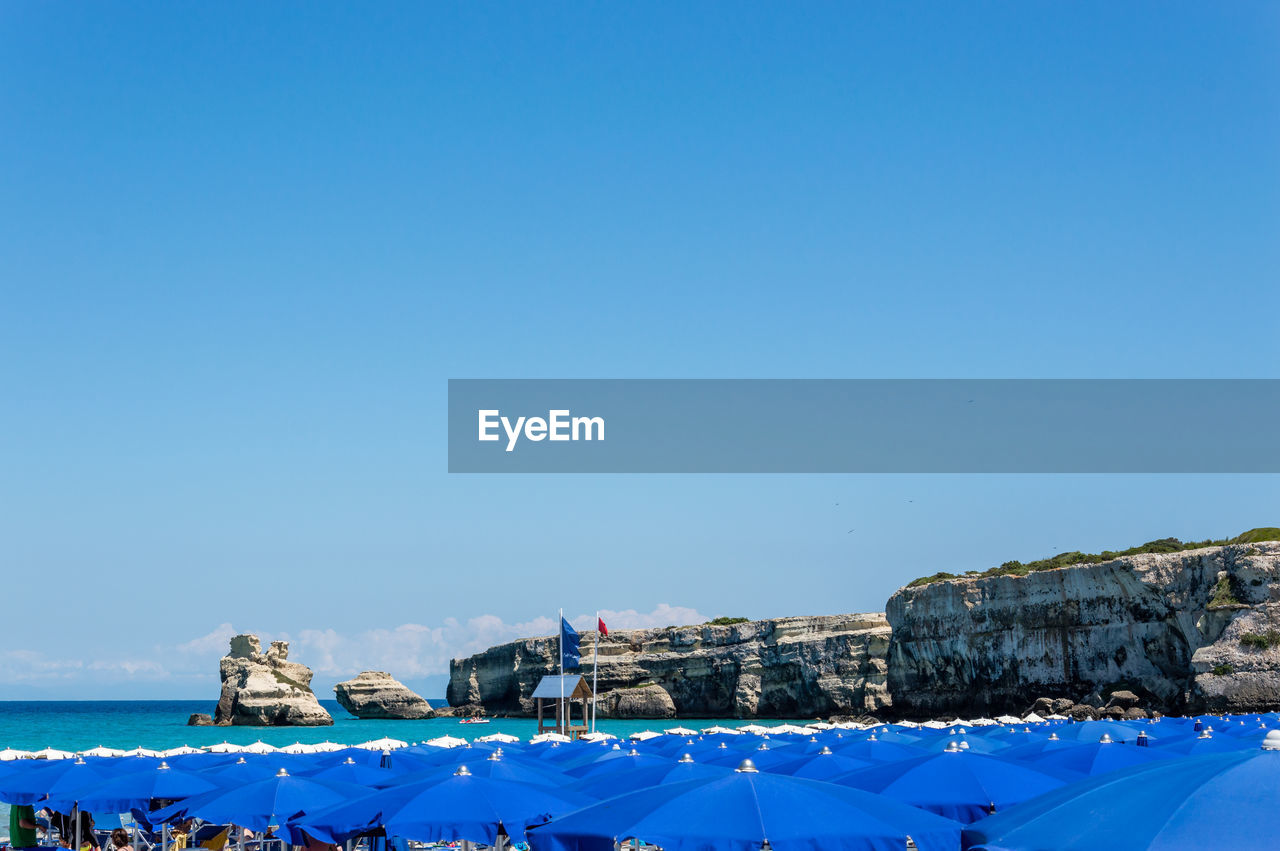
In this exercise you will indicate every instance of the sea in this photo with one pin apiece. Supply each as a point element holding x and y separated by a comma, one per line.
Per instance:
<point>77,725</point>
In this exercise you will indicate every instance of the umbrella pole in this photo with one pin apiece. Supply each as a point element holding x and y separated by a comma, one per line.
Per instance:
<point>75,815</point>
<point>164,836</point>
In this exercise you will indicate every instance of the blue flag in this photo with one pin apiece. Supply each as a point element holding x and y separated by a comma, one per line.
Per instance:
<point>570,657</point>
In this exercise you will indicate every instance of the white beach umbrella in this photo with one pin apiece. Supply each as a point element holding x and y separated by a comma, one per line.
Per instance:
<point>548,737</point>
<point>446,742</point>
<point>1008,719</point>
<point>259,747</point>
<point>504,738</point>
<point>790,728</point>
<point>1055,717</point>
<point>52,753</point>
<point>757,729</point>
<point>328,747</point>
<point>907,725</point>
<point>225,747</point>
<point>102,751</point>
<point>680,731</point>
<point>383,745</point>
<point>718,730</point>
<point>644,736</point>
<point>297,748</point>
<point>9,753</point>
<point>141,751</point>
<point>597,737</point>
<point>1032,718</point>
<point>820,725</point>
<point>849,725</point>
<point>183,750</point>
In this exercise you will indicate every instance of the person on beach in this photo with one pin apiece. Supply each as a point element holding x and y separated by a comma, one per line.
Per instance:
<point>22,827</point>
<point>120,840</point>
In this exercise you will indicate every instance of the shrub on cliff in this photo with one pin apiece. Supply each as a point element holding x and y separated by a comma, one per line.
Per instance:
<point>1160,545</point>
<point>1261,641</point>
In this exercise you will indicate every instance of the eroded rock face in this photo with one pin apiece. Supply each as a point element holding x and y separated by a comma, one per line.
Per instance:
<point>266,690</point>
<point>377,694</point>
<point>1143,623</point>
<point>786,667</point>
<point>651,701</point>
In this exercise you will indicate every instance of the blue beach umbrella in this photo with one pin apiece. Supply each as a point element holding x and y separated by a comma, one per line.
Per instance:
<point>353,772</point>
<point>1206,743</point>
<point>496,765</point>
<point>673,771</point>
<point>137,789</point>
<point>821,766</point>
<point>956,784</point>
<point>244,770</point>
<point>617,761</point>
<point>746,810</point>
<point>1119,731</point>
<point>256,805</point>
<point>52,779</point>
<point>458,807</point>
<point>1098,758</point>
<point>875,749</point>
<point>1216,801</point>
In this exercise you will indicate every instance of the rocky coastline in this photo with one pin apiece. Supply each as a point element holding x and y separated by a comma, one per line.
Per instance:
<point>1194,630</point>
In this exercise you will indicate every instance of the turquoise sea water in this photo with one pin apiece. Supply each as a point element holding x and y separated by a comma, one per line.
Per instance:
<point>159,724</point>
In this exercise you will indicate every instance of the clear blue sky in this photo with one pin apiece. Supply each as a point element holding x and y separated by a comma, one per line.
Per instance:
<point>243,246</point>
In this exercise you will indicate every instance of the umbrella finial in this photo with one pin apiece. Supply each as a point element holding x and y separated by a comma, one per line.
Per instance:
<point>685,758</point>
<point>1106,739</point>
<point>163,766</point>
<point>496,756</point>
<point>1272,741</point>
<point>952,747</point>
<point>747,767</point>
<point>284,772</point>
<point>462,771</point>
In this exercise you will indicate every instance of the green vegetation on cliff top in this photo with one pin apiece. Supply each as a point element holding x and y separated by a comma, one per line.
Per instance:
<point>1163,545</point>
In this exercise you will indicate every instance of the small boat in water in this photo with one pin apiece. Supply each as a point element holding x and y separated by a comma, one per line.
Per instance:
<point>474,720</point>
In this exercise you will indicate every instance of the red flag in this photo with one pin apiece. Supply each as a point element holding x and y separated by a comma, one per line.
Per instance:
<point>604,630</point>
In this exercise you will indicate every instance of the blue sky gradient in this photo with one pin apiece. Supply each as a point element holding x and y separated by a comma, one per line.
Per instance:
<point>243,246</point>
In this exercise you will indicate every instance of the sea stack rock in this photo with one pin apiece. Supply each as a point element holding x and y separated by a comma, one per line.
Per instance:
<point>266,689</point>
<point>377,694</point>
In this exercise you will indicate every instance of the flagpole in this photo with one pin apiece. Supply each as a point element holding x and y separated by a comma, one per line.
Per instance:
<point>595,668</point>
<point>560,713</point>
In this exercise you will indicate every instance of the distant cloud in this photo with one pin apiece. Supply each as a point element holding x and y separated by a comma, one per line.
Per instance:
<point>409,651</point>
<point>417,650</point>
<point>218,640</point>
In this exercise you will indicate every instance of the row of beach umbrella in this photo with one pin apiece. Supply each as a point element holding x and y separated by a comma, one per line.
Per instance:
<point>1172,783</point>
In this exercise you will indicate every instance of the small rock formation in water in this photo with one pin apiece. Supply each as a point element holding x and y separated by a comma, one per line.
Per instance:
<point>200,719</point>
<point>377,694</point>
<point>266,690</point>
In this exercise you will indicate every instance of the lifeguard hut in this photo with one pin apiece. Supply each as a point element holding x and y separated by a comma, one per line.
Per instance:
<point>574,689</point>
